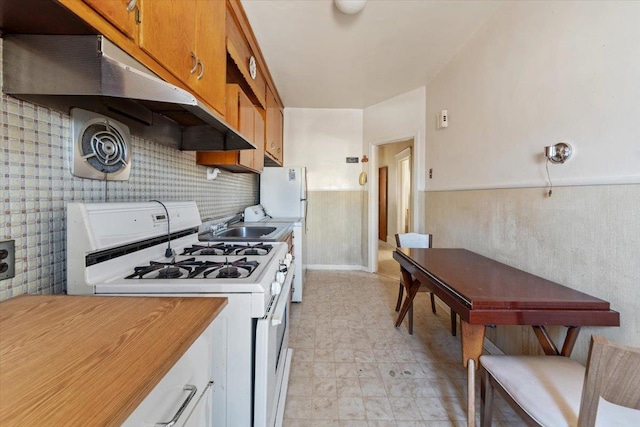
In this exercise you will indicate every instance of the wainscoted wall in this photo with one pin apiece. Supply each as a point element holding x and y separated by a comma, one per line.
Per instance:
<point>335,222</point>
<point>37,184</point>
<point>586,238</point>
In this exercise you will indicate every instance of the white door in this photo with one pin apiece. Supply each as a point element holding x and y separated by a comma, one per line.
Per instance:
<point>403,168</point>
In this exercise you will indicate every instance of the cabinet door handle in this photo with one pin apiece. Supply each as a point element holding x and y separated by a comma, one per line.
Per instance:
<point>131,5</point>
<point>201,73</point>
<point>192,392</point>
<point>195,63</point>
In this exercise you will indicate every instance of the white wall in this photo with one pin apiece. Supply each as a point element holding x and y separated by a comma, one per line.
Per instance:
<point>321,139</point>
<point>399,118</point>
<point>396,119</point>
<point>536,74</point>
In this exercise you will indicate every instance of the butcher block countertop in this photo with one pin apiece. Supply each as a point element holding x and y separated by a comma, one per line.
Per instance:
<point>88,360</point>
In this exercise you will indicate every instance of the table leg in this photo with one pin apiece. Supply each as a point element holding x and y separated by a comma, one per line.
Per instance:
<point>472,341</point>
<point>411,287</point>
<point>570,340</point>
<point>548,346</point>
<point>471,393</point>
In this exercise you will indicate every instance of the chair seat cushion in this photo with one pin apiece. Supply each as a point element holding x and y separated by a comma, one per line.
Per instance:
<point>547,388</point>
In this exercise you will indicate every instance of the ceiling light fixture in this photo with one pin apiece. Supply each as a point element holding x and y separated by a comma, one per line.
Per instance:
<point>350,7</point>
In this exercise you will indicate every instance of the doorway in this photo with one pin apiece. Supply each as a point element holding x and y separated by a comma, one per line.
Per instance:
<point>403,169</point>
<point>383,207</point>
<point>395,201</point>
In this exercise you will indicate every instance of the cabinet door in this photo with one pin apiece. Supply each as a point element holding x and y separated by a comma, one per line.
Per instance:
<point>209,80</point>
<point>246,117</point>
<point>120,13</point>
<point>258,139</point>
<point>243,116</point>
<point>274,129</point>
<point>167,33</point>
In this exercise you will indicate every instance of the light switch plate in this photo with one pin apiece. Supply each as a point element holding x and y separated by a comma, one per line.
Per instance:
<point>7,259</point>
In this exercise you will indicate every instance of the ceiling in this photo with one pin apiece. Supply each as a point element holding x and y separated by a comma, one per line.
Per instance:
<point>322,58</point>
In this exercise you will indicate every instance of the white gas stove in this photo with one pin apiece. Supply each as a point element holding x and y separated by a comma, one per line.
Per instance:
<point>152,248</point>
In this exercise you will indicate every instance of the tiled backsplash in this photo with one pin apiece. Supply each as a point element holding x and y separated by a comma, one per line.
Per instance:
<point>37,184</point>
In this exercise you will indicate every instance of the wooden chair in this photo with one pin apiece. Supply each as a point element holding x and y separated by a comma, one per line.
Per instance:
<point>557,391</point>
<point>416,240</point>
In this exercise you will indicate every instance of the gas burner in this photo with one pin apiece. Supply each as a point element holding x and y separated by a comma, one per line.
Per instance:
<point>228,272</point>
<point>166,270</point>
<point>240,268</point>
<point>169,273</point>
<point>249,249</point>
<point>209,249</point>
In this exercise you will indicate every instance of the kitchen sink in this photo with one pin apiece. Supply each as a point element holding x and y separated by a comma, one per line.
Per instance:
<point>249,232</point>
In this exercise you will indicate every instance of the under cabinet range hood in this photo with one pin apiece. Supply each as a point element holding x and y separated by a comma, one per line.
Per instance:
<point>90,72</point>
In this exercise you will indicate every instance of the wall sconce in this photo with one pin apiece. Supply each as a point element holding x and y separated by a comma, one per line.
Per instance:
<point>350,7</point>
<point>559,153</point>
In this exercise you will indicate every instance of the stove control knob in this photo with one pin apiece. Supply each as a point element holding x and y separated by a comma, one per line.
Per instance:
<point>276,288</point>
<point>280,277</point>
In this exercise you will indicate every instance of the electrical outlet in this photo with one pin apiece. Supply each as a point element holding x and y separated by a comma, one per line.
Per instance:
<point>7,259</point>
<point>430,173</point>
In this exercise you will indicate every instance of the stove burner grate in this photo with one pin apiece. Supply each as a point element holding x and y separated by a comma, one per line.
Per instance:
<point>249,249</point>
<point>228,249</point>
<point>190,269</point>
<point>170,267</point>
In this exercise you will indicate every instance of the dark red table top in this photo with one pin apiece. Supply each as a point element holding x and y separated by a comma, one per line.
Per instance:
<point>476,283</point>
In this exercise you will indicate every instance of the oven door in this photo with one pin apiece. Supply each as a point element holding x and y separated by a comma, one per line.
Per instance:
<point>273,359</point>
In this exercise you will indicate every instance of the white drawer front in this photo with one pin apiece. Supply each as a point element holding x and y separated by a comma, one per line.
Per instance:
<point>166,399</point>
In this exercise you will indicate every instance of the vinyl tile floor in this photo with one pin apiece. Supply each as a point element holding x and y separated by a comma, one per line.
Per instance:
<point>352,368</point>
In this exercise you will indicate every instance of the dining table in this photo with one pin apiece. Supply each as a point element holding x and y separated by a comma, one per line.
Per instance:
<point>485,292</point>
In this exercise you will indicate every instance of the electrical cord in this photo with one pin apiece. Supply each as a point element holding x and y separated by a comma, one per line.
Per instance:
<point>168,253</point>
<point>549,178</point>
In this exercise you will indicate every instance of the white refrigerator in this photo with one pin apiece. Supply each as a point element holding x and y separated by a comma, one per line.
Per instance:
<point>283,192</point>
<point>283,195</point>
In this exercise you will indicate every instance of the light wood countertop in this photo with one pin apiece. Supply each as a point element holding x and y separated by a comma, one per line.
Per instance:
<point>88,360</point>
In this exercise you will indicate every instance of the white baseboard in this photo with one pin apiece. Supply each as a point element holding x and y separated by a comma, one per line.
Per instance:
<point>336,267</point>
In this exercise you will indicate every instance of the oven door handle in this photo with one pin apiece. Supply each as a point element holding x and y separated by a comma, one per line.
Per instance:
<point>285,294</point>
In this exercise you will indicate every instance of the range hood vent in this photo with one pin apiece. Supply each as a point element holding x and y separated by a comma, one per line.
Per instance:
<point>90,72</point>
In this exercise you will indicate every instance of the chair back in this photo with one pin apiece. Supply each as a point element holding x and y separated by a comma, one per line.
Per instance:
<point>413,240</point>
<point>613,374</point>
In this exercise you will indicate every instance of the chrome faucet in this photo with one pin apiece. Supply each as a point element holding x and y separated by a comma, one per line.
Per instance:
<point>216,228</point>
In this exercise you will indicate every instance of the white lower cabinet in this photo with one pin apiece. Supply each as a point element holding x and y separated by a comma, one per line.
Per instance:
<point>184,395</point>
<point>202,414</point>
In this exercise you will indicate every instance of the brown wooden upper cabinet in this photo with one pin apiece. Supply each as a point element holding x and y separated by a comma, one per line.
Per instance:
<point>249,121</point>
<point>244,69</point>
<point>274,150</point>
<point>187,37</point>
<point>120,13</point>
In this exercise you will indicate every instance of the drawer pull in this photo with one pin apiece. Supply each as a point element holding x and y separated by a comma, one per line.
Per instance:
<point>131,5</point>
<point>201,70</point>
<point>192,392</point>
<point>195,63</point>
